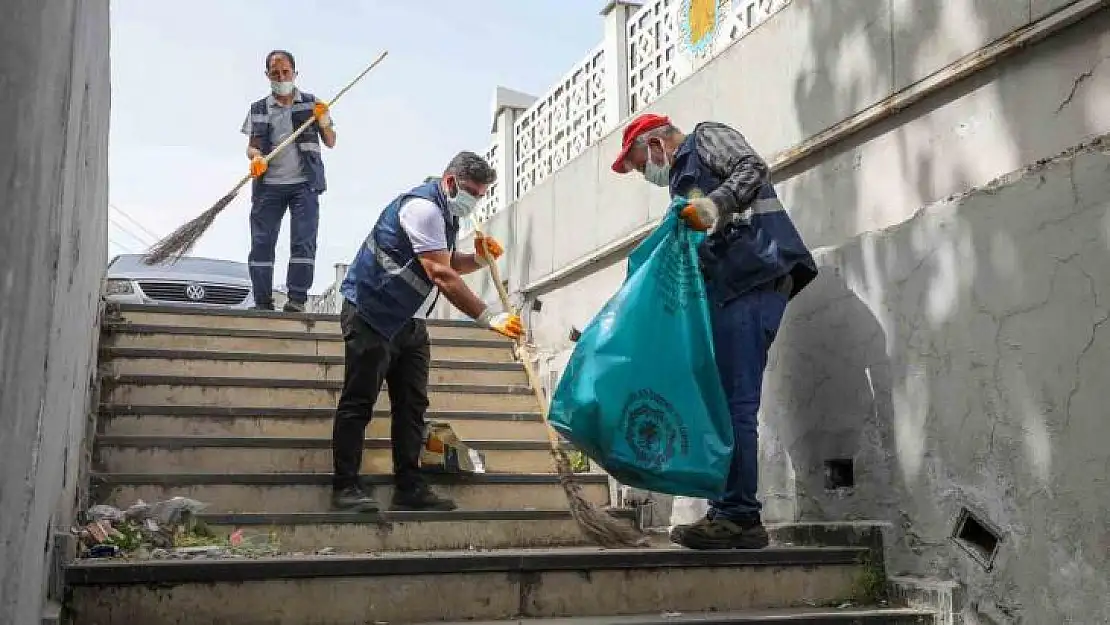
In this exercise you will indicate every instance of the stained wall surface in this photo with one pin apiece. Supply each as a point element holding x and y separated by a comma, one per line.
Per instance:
<point>53,245</point>
<point>953,346</point>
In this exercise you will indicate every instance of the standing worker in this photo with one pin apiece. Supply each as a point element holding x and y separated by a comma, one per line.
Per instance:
<point>753,261</point>
<point>293,179</point>
<point>393,282</point>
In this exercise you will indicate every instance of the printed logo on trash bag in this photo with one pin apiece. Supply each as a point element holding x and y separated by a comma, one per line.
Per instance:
<point>653,429</point>
<point>677,278</point>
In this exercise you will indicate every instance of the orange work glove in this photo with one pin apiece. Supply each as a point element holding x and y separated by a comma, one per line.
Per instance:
<point>700,214</point>
<point>486,249</point>
<point>258,166</point>
<point>502,323</point>
<point>320,111</point>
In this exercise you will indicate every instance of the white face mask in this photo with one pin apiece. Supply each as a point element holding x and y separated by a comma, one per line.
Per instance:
<point>281,88</point>
<point>658,175</point>
<point>463,203</point>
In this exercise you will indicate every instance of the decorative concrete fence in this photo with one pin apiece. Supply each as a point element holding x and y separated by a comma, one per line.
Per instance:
<point>647,49</point>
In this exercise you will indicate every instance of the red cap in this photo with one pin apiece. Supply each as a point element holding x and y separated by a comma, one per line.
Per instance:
<point>635,128</point>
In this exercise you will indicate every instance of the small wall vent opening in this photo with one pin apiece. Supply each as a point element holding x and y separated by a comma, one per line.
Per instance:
<point>840,473</point>
<point>537,305</point>
<point>977,537</point>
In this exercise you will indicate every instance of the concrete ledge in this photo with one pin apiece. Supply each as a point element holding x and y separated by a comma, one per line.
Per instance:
<point>116,327</point>
<point>318,479</point>
<point>231,412</point>
<point>510,561</point>
<point>153,353</point>
<point>288,442</point>
<point>260,314</point>
<point>400,532</point>
<point>182,380</point>
<point>795,616</point>
<point>392,516</point>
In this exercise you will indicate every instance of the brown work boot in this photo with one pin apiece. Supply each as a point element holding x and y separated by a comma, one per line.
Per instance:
<point>678,531</point>
<point>721,533</point>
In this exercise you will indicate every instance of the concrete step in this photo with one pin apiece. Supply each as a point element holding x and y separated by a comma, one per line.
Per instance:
<point>446,586</point>
<point>280,342</point>
<point>186,420</point>
<point>256,454</point>
<point>784,616</point>
<point>155,390</point>
<point>311,492</point>
<point>216,318</point>
<point>200,363</point>
<point>411,531</point>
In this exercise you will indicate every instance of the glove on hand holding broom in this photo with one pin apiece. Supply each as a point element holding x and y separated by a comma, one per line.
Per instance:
<point>259,163</point>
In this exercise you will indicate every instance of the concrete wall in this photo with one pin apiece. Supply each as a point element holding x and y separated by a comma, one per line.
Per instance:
<point>957,359</point>
<point>950,347</point>
<point>53,247</point>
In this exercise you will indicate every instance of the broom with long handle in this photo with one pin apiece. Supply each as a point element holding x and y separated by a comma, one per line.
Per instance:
<point>180,241</point>
<point>597,524</point>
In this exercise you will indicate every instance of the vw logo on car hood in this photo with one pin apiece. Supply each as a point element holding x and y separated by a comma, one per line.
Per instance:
<point>194,292</point>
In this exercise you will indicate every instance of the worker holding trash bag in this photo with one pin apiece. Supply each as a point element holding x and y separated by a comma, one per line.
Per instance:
<point>293,180</point>
<point>753,261</point>
<point>404,264</point>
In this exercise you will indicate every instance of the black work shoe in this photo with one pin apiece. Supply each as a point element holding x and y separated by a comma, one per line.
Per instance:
<point>293,307</point>
<point>421,499</point>
<point>720,533</point>
<point>262,307</point>
<point>678,531</point>
<point>353,499</point>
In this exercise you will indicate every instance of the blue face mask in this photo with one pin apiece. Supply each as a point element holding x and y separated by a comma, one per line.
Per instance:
<point>463,203</point>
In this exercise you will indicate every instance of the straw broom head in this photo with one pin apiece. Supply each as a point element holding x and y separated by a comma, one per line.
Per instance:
<point>598,525</point>
<point>180,241</point>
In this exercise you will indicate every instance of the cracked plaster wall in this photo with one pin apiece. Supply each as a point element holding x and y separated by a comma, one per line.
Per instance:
<point>958,358</point>
<point>952,347</point>
<point>53,247</point>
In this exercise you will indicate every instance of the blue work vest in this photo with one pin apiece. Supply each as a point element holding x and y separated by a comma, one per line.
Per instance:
<point>308,142</point>
<point>757,247</point>
<point>386,282</point>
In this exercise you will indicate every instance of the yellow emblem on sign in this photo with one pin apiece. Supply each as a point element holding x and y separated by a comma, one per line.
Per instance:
<point>703,17</point>
<point>700,20</point>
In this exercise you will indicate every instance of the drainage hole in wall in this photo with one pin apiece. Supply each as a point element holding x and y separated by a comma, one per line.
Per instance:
<point>976,537</point>
<point>839,473</point>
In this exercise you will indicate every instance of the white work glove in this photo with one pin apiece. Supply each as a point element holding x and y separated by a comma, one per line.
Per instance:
<point>700,214</point>
<point>503,323</point>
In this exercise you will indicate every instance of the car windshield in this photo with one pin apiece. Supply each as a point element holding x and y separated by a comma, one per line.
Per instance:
<point>187,264</point>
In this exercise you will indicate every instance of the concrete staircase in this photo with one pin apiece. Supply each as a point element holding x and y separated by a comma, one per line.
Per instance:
<point>235,410</point>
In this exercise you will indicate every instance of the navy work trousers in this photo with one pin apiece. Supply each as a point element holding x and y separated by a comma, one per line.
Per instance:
<point>267,210</point>
<point>743,331</point>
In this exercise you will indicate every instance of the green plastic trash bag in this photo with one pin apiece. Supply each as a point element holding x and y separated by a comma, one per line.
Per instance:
<point>641,394</point>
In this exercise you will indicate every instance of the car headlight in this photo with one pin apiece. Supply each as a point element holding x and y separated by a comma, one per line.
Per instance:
<point>118,287</point>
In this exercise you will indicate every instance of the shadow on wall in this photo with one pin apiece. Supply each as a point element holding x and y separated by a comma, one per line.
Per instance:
<point>831,377</point>
<point>953,356</point>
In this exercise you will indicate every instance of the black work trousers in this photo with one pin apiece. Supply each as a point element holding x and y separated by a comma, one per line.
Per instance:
<point>402,363</point>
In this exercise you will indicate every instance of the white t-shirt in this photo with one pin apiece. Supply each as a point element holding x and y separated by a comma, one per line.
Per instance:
<point>423,223</point>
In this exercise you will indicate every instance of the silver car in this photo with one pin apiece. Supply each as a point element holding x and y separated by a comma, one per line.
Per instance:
<point>189,281</point>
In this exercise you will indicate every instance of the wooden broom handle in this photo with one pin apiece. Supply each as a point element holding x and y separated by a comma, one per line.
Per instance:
<point>533,379</point>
